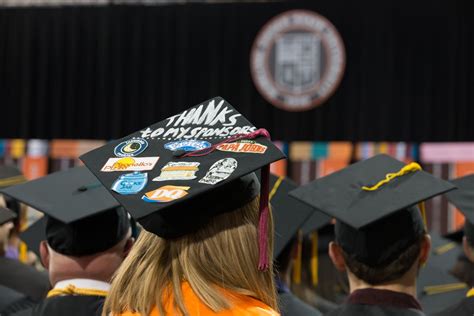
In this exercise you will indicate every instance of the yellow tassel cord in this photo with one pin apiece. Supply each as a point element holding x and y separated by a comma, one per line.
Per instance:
<point>297,259</point>
<point>275,188</point>
<point>12,181</point>
<point>445,288</point>
<point>470,293</point>
<point>72,290</point>
<point>314,258</point>
<point>441,250</point>
<point>412,167</point>
<point>23,248</point>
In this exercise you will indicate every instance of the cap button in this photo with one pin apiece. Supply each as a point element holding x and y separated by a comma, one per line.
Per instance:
<point>178,153</point>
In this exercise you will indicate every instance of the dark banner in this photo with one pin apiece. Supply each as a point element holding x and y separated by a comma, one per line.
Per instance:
<point>103,72</point>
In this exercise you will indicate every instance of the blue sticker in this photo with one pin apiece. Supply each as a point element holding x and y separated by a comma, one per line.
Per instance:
<point>130,183</point>
<point>131,148</point>
<point>187,145</point>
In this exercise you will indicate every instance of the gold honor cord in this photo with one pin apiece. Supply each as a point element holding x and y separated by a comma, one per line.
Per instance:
<point>72,290</point>
<point>412,167</point>
<point>314,258</point>
<point>445,288</point>
<point>12,181</point>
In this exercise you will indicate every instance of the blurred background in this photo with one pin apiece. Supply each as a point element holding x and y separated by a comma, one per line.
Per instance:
<point>333,81</point>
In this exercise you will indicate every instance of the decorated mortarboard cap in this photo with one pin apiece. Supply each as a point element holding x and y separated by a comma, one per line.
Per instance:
<point>187,168</point>
<point>437,289</point>
<point>10,175</point>
<point>6,215</point>
<point>82,217</point>
<point>374,202</point>
<point>463,199</point>
<point>289,214</point>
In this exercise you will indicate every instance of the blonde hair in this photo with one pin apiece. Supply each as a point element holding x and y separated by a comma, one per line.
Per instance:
<point>221,255</point>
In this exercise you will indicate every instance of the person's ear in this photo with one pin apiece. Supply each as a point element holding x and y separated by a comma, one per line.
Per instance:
<point>468,250</point>
<point>44,254</point>
<point>128,246</point>
<point>335,253</point>
<point>425,249</point>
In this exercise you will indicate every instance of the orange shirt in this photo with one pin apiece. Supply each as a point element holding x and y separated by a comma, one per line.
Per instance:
<point>243,306</point>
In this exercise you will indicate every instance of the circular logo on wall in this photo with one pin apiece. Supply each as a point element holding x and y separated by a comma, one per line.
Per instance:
<point>297,60</point>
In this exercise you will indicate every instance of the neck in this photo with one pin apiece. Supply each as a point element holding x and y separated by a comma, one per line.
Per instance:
<point>406,284</point>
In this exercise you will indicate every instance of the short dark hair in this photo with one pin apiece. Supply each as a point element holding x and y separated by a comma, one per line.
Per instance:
<point>388,272</point>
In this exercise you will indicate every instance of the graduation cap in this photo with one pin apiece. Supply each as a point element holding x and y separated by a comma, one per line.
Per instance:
<point>34,235</point>
<point>82,218</point>
<point>463,199</point>
<point>10,175</point>
<point>188,168</point>
<point>437,289</point>
<point>374,202</point>
<point>6,215</point>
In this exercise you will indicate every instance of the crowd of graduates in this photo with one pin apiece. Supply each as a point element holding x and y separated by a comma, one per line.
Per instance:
<point>208,230</point>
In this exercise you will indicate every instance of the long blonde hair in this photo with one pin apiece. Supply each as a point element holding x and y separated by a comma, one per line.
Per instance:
<point>222,255</point>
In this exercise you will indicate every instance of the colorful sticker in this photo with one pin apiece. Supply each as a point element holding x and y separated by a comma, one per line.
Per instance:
<point>130,164</point>
<point>243,146</point>
<point>187,145</point>
<point>178,171</point>
<point>219,171</point>
<point>130,183</point>
<point>165,194</point>
<point>131,148</point>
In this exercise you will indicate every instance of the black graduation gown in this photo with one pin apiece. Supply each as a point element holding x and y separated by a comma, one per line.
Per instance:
<point>23,279</point>
<point>12,301</point>
<point>375,302</point>
<point>464,307</point>
<point>290,305</point>
<point>67,306</point>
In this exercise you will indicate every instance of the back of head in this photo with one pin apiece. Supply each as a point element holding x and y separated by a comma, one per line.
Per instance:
<point>222,255</point>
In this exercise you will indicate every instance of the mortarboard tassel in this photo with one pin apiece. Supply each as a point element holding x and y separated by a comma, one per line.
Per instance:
<point>412,167</point>
<point>314,258</point>
<point>263,262</point>
<point>297,258</point>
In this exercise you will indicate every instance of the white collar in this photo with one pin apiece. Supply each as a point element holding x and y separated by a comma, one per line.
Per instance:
<point>84,284</point>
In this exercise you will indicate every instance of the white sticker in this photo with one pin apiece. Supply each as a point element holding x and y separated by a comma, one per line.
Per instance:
<point>178,171</point>
<point>219,171</point>
<point>130,164</point>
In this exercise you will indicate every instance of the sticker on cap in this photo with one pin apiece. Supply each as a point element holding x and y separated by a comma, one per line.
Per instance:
<point>243,146</point>
<point>219,171</point>
<point>130,183</point>
<point>131,148</point>
<point>178,171</point>
<point>130,164</point>
<point>165,194</point>
<point>187,145</point>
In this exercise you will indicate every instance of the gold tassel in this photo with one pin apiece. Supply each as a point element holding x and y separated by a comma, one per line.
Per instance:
<point>421,205</point>
<point>297,259</point>
<point>314,259</point>
<point>412,167</point>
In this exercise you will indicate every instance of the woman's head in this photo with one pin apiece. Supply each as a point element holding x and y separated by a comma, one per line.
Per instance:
<point>223,254</point>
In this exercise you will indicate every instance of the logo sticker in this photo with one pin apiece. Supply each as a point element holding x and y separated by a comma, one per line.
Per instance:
<point>297,60</point>
<point>130,164</point>
<point>178,171</point>
<point>187,145</point>
<point>165,194</point>
<point>219,171</point>
<point>243,146</point>
<point>131,148</point>
<point>130,183</point>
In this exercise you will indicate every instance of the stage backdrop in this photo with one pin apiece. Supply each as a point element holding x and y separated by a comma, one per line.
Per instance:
<point>101,72</point>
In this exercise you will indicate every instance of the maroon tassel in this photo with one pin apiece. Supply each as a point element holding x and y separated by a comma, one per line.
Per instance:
<point>263,263</point>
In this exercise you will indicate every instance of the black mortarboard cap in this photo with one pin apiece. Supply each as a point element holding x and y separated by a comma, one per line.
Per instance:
<point>436,289</point>
<point>376,219</point>
<point>463,199</point>
<point>289,214</point>
<point>6,215</point>
<point>82,217</point>
<point>180,188</point>
<point>10,175</point>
